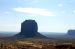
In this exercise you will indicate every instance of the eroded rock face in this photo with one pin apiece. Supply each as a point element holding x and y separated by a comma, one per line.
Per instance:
<point>29,29</point>
<point>71,32</point>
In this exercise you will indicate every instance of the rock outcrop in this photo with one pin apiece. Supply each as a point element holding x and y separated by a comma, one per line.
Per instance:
<point>71,32</point>
<point>29,29</point>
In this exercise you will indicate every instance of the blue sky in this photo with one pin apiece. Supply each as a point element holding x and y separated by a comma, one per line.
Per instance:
<point>51,15</point>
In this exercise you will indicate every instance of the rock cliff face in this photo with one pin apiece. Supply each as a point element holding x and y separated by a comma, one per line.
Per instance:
<point>71,32</point>
<point>29,29</point>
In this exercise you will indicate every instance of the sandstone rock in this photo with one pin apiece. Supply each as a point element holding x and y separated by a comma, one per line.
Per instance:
<point>29,29</point>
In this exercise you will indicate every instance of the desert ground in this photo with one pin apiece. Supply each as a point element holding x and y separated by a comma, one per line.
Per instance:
<point>33,43</point>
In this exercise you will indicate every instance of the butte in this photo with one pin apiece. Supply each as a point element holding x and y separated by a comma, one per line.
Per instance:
<point>29,29</point>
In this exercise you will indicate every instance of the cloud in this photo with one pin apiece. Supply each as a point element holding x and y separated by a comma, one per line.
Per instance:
<point>35,11</point>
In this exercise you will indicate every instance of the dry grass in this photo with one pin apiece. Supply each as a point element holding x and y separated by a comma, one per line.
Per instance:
<point>35,44</point>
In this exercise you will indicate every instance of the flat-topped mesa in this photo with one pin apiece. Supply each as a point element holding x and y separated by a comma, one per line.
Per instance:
<point>29,29</point>
<point>71,32</point>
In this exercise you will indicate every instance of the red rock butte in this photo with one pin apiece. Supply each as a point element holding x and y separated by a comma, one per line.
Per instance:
<point>29,29</point>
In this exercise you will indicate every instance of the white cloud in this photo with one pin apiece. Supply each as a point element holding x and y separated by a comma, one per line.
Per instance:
<point>35,11</point>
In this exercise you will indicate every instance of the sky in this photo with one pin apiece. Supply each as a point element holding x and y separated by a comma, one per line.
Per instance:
<point>51,15</point>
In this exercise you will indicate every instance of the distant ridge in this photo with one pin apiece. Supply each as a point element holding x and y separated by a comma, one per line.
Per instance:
<point>71,32</point>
